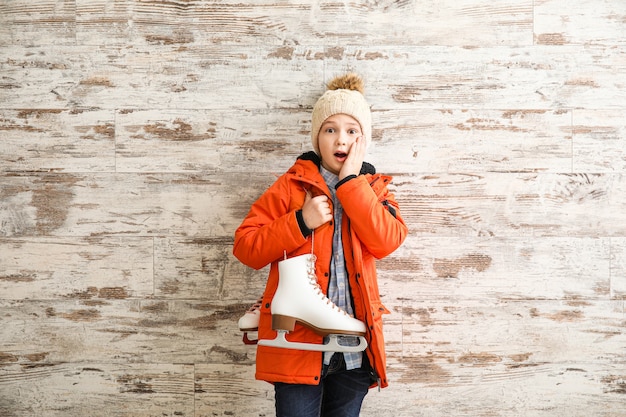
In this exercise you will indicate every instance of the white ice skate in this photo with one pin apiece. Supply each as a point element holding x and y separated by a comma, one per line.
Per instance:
<point>249,322</point>
<point>299,298</point>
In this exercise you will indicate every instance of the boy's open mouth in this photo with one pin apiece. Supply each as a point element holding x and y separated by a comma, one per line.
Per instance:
<point>341,155</point>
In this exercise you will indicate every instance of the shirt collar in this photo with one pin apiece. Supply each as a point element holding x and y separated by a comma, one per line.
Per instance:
<point>330,178</point>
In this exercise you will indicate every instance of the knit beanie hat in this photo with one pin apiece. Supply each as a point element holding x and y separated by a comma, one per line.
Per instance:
<point>344,95</point>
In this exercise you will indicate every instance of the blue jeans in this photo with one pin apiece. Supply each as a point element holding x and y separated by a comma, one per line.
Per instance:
<point>339,394</point>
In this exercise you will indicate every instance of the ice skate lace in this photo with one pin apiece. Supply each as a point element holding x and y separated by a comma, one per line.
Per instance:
<point>313,279</point>
<point>256,306</point>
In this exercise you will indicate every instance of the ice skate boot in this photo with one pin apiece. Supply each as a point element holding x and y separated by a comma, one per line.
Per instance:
<point>299,298</point>
<point>249,322</point>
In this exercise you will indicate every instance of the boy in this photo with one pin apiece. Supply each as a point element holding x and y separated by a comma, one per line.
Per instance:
<point>330,194</point>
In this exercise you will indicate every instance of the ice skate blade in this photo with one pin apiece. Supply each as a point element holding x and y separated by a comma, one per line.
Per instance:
<point>332,346</point>
<point>248,341</point>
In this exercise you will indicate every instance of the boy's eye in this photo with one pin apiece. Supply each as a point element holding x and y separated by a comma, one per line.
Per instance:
<point>353,131</point>
<point>330,130</point>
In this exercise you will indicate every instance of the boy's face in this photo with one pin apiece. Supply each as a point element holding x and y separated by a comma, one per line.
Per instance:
<point>335,139</point>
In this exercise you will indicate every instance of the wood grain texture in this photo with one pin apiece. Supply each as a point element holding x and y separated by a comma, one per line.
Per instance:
<point>571,390</point>
<point>96,389</point>
<point>274,23</point>
<point>500,204</point>
<point>89,204</point>
<point>533,77</point>
<point>209,140</point>
<point>83,330</point>
<point>503,269</point>
<point>430,140</point>
<point>58,140</point>
<point>599,137</point>
<point>135,134</point>
<point>587,22</point>
<point>49,268</point>
<point>247,397</point>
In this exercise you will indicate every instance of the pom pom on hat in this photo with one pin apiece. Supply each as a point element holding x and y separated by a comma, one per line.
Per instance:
<point>344,95</point>
<point>349,81</point>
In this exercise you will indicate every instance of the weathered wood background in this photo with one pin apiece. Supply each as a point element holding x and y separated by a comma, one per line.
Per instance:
<point>134,135</point>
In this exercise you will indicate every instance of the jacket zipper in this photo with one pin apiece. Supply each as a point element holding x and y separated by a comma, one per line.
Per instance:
<point>373,374</point>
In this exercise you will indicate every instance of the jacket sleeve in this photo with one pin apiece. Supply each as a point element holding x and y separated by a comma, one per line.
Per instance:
<point>374,215</point>
<point>269,229</point>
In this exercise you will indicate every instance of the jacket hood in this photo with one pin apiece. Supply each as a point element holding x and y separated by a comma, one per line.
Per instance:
<point>366,168</point>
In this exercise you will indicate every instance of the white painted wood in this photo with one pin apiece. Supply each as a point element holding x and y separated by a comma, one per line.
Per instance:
<point>529,205</point>
<point>503,269</point>
<point>58,140</point>
<point>492,390</point>
<point>97,389</point>
<point>80,268</point>
<point>203,268</point>
<point>135,134</point>
<point>210,140</point>
<point>618,268</point>
<point>584,22</point>
<point>599,141</point>
<point>398,77</point>
<point>217,382</point>
<point>529,78</point>
<point>122,330</point>
<point>86,204</point>
<point>469,140</point>
<point>477,22</point>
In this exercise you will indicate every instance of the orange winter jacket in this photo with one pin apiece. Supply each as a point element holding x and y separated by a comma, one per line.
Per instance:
<point>372,228</point>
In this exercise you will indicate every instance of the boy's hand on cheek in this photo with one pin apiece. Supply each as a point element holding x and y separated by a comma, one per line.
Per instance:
<point>354,161</point>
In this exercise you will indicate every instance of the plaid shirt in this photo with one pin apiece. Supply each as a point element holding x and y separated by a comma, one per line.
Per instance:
<point>339,287</point>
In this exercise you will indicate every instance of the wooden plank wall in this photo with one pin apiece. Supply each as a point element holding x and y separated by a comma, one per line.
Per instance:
<point>134,134</point>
